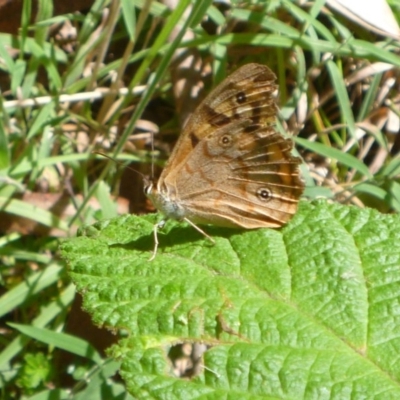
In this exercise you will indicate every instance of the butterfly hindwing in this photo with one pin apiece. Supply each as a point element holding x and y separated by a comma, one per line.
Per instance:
<point>241,170</point>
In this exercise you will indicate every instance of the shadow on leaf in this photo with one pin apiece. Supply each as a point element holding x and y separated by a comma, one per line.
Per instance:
<point>177,235</point>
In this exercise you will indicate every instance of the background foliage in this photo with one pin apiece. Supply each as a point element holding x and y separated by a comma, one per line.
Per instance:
<point>108,79</point>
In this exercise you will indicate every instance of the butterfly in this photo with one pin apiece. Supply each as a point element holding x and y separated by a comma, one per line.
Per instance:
<point>230,167</point>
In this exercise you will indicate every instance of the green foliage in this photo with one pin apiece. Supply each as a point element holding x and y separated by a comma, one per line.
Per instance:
<point>65,95</point>
<point>308,311</point>
<point>35,371</point>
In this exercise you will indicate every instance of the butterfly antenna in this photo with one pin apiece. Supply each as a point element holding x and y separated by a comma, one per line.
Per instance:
<point>152,156</point>
<point>119,163</point>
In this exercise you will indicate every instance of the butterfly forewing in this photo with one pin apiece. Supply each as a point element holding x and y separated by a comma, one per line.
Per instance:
<point>246,94</point>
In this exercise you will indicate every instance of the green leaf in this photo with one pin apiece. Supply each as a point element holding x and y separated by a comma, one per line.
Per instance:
<point>307,311</point>
<point>7,40</point>
<point>392,169</point>
<point>107,205</point>
<point>42,118</point>
<point>26,210</point>
<point>129,15</point>
<point>395,195</point>
<point>30,286</point>
<point>338,82</point>
<point>374,190</point>
<point>4,151</point>
<point>18,75</point>
<point>36,370</point>
<point>344,158</point>
<point>56,307</point>
<point>63,341</point>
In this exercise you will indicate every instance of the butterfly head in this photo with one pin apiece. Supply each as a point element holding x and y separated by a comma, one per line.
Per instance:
<point>163,200</point>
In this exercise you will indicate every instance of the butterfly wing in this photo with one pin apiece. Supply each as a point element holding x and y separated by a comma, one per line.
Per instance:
<point>243,172</point>
<point>230,167</point>
<point>246,94</point>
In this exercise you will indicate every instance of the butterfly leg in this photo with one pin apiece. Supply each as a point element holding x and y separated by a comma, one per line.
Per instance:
<point>156,227</point>
<point>199,230</point>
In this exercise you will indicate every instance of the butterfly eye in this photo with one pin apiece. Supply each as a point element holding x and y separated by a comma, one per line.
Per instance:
<point>241,97</point>
<point>264,194</point>
<point>147,189</point>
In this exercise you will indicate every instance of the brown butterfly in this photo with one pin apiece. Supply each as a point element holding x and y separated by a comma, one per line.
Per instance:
<point>230,167</point>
